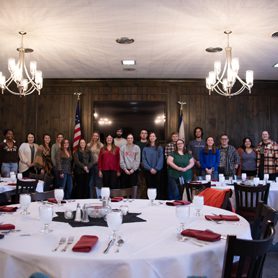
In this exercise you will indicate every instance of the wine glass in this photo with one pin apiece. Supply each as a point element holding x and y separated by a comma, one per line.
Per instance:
<point>114,220</point>
<point>25,200</point>
<point>198,202</point>
<point>243,177</point>
<point>105,193</point>
<point>256,181</point>
<point>222,180</point>
<point>208,178</point>
<point>59,195</point>
<point>46,214</point>
<point>151,195</point>
<point>183,214</point>
<point>266,178</point>
<point>20,176</point>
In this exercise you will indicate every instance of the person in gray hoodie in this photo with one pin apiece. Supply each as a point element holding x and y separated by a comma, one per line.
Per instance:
<point>129,162</point>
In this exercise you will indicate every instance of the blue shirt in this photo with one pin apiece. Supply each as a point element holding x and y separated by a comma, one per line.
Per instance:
<point>152,157</point>
<point>209,160</point>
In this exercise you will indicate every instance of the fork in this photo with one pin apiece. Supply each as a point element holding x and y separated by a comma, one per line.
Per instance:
<point>69,242</point>
<point>61,242</point>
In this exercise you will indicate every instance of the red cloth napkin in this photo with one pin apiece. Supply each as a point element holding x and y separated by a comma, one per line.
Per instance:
<point>206,235</point>
<point>221,217</point>
<point>117,199</point>
<point>85,243</point>
<point>178,203</point>
<point>7,209</point>
<point>12,183</point>
<point>54,201</point>
<point>7,227</point>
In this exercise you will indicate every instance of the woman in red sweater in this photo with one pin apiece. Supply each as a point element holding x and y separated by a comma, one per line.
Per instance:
<point>109,163</point>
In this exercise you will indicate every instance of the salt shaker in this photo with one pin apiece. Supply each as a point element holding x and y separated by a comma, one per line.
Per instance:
<point>78,213</point>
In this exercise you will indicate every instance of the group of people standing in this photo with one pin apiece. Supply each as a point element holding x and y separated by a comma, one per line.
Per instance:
<point>123,163</point>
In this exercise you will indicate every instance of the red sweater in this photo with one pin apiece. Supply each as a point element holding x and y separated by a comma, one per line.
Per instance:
<point>109,160</point>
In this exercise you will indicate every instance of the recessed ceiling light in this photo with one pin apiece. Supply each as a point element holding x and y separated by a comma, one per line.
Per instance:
<point>214,49</point>
<point>128,62</point>
<point>129,69</point>
<point>124,40</point>
<point>275,35</point>
<point>275,65</point>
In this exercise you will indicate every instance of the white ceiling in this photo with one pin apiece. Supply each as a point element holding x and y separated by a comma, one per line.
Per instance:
<point>76,39</point>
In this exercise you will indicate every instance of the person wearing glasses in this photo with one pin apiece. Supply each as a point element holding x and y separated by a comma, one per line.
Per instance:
<point>229,157</point>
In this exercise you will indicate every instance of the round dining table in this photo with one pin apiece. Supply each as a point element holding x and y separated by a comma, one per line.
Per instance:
<point>151,248</point>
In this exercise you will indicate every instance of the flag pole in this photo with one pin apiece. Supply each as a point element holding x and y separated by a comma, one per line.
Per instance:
<point>77,127</point>
<point>181,122</point>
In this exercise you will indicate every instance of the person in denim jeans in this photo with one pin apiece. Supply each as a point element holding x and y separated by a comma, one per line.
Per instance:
<point>8,154</point>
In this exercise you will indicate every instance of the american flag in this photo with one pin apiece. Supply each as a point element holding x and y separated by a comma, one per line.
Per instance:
<point>181,126</point>
<point>77,128</point>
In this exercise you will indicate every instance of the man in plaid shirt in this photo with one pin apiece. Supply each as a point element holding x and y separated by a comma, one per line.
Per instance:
<point>170,147</point>
<point>267,157</point>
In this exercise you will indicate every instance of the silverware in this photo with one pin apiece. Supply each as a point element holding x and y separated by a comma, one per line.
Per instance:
<point>110,244</point>
<point>213,220</point>
<point>61,242</point>
<point>119,243</point>
<point>69,242</point>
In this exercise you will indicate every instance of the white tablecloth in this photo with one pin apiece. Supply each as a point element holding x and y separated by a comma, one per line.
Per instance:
<point>151,248</point>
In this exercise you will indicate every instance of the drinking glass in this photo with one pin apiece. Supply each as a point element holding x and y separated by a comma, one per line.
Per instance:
<point>183,214</point>
<point>59,195</point>
<point>198,202</point>
<point>105,193</point>
<point>25,201</point>
<point>208,178</point>
<point>124,209</point>
<point>243,177</point>
<point>256,181</point>
<point>266,178</point>
<point>114,220</point>
<point>151,195</point>
<point>222,180</point>
<point>19,176</point>
<point>46,214</point>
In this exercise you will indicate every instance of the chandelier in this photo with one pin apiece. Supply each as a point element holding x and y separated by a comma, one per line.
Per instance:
<point>222,83</point>
<point>26,82</point>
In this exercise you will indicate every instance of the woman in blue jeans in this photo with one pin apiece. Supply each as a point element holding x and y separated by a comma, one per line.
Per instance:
<point>180,170</point>
<point>209,159</point>
<point>64,165</point>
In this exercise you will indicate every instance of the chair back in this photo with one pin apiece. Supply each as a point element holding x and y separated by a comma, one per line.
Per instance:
<point>42,196</point>
<point>248,197</point>
<point>264,214</point>
<point>24,186</point>
<point>194,188</point>
<point>250,255</point>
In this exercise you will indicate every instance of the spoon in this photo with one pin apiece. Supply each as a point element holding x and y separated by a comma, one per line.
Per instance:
<point>119,243</point>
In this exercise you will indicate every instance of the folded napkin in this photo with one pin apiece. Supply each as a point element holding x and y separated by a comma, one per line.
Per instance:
<point>7,209</point>
<point>54,201</point>
<point>206,235</point>
<point>117,199</point>
<point>7,227</point>
<point>222,217</point>
<point>177,203</point>
<point>12,183</point>
<point>85,243</point>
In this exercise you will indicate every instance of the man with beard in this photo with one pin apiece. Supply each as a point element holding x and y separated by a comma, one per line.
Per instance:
<point>119,141</point>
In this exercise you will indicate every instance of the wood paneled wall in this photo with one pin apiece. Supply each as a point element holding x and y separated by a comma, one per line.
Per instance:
<point>53,111</point>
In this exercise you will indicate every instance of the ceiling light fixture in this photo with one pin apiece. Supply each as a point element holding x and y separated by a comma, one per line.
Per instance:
<point>128,62</point>
<point>26,82</point>
<point>229,75</point>
<point>275,65</point>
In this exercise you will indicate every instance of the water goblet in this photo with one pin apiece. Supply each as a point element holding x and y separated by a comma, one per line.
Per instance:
<point>256,181</point>
<point>208,178</point>
<point>124,209</point>
<point>243,177</point>
<point>151,195</point>
<point>46,214</point>
<point>25,201</point>
<point>59,195</point>
<point>266,178</point>
<point>198,202</point>
<point>114,220</point>
<point>222,180</point>
<point>183,214</point>
<point>105,194</point>
<point>19,176</point>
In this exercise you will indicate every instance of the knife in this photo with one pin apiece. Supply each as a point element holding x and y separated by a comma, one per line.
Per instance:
<point>110,244</point>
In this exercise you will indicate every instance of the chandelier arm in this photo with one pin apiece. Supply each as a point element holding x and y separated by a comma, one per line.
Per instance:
<point>219,79</point>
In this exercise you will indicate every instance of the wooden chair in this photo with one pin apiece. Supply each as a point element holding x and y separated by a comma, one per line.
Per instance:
<point>249,253</point>
<point>248,197</point>
<point>42,196</point>
<point>264,214</point>
<point>24,186</point>
<point>194,188</point>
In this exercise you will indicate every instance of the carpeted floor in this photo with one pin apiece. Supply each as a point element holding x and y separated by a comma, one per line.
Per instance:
<point>271,264</point>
